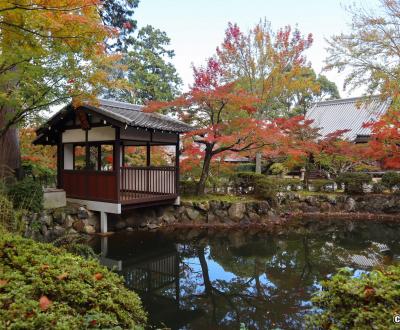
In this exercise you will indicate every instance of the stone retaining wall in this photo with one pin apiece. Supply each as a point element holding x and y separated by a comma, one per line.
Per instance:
<point>257,212</point>
<point>52,224</point>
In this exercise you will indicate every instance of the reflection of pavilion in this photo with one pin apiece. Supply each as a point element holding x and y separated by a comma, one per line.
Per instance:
<point>153,273</point>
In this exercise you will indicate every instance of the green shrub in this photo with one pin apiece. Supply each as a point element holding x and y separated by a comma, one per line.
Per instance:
<point>244,182</point>
<point>354,181</point>
<point>366,302</point>
<point>188,187</point>
<point>391,180</point>
<point>27,194</point>
<point>292,184</point>
<point>6,213</point>
<point>81,293</point>
<point>245,167</point>
<point>320,184</point>
<point>267,188</point>
<point>278,169</point>
<point>378,188</point>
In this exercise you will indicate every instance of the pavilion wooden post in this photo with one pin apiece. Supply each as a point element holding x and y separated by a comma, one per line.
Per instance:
<point>60,163</point>
<point>117,161</point>
<point>148,162</point>
<point>177,155</point>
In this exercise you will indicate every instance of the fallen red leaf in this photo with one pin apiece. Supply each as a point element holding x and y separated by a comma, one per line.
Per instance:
<point>98,276</point>
<point>62,276</point>
<point>3,282</point>
<point>369,292</point>
<point>44,303</point>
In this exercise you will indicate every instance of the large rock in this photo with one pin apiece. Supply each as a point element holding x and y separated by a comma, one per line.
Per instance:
<point>88,229</point>
<point>263,207</point>
<point>69,221</point>
<point>350,205</point>
<point>83,213</point>
<point>221,214</point>
<point>59,216</point>
<point>79,225</point>
<point>58,231</point>
<point>236,211</point>
<point>254,217</point>
<point>192,213</point>
<point>203,206</point>
<point>46,219</point>
<point>93,220</point>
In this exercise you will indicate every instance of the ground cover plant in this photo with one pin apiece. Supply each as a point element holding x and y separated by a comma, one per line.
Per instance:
<point>44,287</point>
<point>366,302</point>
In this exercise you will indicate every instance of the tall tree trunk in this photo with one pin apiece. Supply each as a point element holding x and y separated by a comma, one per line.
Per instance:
<point>205,171</point>
<point>10,156</point>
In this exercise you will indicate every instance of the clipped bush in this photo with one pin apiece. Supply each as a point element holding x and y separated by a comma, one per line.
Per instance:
<point>354,182</point>
<point>289,184</point>
<point>27,194</point>
<point>391,180</point>
<point>267,188</point>
<point>246,167</point>
<point>278,169</point>
<point>378,188</point>
<point>6,213</point>
<point>366,302</point>
<point>44,287</point>
<point>245,182</point>
<point>188,187</point>
<point>321,184</point>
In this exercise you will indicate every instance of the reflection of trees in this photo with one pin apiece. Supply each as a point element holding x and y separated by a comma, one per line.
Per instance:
<point>272,279</point>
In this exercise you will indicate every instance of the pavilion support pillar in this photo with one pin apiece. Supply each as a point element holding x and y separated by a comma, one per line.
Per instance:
<point>103,222</point>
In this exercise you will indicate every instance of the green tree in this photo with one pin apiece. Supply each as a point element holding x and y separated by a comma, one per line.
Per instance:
<point>270,65</point>
<point>301,100</point>
<point>50,52</point>
<point>120,15</point>
<point>371,51</point>
<point>148,68</point>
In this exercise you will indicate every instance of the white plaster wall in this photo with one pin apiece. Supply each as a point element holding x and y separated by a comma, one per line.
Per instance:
<point>101,134</point>
<point>73,135</point>
<point>95,134</point>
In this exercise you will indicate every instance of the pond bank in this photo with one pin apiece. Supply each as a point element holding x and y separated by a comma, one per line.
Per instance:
<point>288,208</point>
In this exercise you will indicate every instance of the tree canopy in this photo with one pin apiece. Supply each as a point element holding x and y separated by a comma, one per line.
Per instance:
<point>371,54</point>
<point>273,66</point>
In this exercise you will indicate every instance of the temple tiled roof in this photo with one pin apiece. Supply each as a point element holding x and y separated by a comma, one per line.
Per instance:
<point>347,114</point>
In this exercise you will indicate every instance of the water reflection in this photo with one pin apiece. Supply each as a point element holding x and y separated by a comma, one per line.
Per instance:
<point>219,280</point>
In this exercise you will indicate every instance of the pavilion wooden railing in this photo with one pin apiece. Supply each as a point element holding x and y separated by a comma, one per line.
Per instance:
<point>153,180</point>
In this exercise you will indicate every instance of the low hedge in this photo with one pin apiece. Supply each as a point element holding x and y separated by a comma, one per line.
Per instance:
<point>245,181</point>
<point>366,302</point>
<point>391,180</point>
<point>354,181</point>
<point>320,184</point>
<point>44,287</point>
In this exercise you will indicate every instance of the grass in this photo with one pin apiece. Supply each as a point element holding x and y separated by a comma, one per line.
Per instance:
<point>319,193</point>
<point>216,197</point>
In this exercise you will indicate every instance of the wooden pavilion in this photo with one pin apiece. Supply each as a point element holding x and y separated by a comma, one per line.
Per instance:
<point>93,144</point>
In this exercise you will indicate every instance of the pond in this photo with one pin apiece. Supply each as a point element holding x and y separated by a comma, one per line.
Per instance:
<point>205,279</point>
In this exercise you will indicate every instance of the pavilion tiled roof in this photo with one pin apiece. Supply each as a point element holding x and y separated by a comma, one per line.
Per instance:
<point>133,115</point>
<point>347,114</point>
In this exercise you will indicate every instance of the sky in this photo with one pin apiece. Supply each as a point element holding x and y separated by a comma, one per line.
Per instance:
<point>196,27</point>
